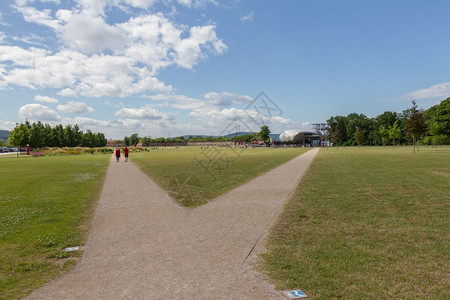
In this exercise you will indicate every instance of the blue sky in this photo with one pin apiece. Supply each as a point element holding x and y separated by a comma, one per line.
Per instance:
<point>175,67</point>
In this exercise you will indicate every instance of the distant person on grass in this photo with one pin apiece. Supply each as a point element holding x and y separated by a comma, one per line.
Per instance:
<point>117,153</point>
<point>125,152</point>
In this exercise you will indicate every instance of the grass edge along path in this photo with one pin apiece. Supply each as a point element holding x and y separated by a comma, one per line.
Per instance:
<point>47,204</point>
<point>366,223</point>
<point>169,167</point>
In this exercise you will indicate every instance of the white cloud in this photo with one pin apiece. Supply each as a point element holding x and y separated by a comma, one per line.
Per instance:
<point>248,17</point>
<point>223,120</point>
<point>21,57</point>
<point>210,111</point>
<point>146,112</point>
<point>96,37</point>
<point>6,125</point>
<point>73,107</point>
<point>92,7</point>
<point>84,122</point>
<point>197,3</point>
<point>189,51</point>
<point>31,39</point>
<point>45,99</point>
<point>226,99</point>
<point>41,17</point>
<point>38,112</point>
<point>441,90</point>
<point>77,74</point>
<point>137,50</point>
<point>140,3</point>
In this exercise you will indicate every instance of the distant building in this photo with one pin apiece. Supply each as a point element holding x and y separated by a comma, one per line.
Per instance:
<point>304,137</point>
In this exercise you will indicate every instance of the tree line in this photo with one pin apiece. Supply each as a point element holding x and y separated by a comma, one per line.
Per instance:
<point>39,135</point>
<point>246,138</point>
<point>431,126</point>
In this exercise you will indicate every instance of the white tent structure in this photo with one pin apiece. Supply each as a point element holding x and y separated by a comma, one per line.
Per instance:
<point>306,136</point>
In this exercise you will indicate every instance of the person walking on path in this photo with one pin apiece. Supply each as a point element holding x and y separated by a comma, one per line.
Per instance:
<point>117,153</point>
<point>125,152</point>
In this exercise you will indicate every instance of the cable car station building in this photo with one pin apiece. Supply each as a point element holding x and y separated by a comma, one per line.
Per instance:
<point>312,137</point>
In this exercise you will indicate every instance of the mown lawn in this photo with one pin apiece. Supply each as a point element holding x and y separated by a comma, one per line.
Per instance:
<point>366,223</point>
<point>46,204</point>
<point>194,176</point>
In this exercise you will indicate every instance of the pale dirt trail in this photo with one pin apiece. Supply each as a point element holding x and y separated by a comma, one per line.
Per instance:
<point>143,246</point>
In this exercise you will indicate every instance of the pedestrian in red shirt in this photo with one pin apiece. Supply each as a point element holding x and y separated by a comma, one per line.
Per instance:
<point>125,152</point>
<point>117,153</point>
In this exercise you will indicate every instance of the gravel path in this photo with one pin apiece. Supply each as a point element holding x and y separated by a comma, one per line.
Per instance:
<point>144,246</point>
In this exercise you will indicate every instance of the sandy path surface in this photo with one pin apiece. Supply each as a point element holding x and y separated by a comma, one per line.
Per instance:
<point>144,246</point>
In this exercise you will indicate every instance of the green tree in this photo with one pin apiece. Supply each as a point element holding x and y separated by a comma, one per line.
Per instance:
<point>264,133</point>
<point>384,135</point>
<point>134,139</point>
<point>77,135</point>
<point>58,135</point>
<point>36,135</point>
<point>146,141</point>
<point>337,129</point>
<point>102,141</point>
<point>443,117</point>
<point>336,136</point>
<point>433,130</point>
<point>19,136</point>
<point>126,141</point>
<point>416,125</point>
<point>395,132</point>
<point>359,136</point>
<point>48,139</point>
<point>87,139</point>
<point>68,137</point>
<point>386,120</point>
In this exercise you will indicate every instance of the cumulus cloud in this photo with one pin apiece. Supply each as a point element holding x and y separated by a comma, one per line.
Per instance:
<point>441,90</point>
<point>189,50</point>
<point>219,114</point>
<point>45,99</point>
<point>78,74</point>
<point>73,107</point>
<point>100,36</point>
<point>84,122</point>
<point>146,112</point>
<point>38,112</point>
<point>107,58</point>
<point>6,125</point>
<point>210,101</point>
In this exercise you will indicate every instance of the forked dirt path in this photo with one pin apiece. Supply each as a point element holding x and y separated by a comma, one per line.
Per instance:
<point>143,246</point>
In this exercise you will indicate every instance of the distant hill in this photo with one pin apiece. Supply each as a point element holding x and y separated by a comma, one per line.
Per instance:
<point>4,134</point>
<point>238,133</point>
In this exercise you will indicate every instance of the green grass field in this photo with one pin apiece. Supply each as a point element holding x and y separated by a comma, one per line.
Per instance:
<point>180,172</point>
<point>45,205</point>
<point>366,223</point>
